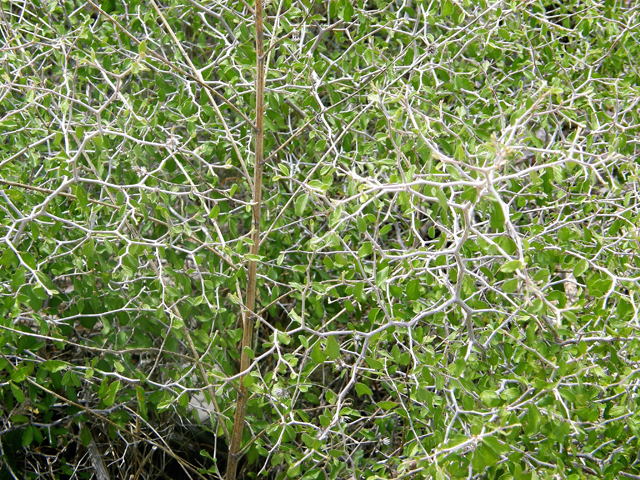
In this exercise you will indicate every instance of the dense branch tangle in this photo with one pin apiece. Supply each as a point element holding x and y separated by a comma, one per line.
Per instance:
<point>444,262</point>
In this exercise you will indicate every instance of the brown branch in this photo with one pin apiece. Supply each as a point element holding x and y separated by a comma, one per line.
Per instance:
<point>248,313</point>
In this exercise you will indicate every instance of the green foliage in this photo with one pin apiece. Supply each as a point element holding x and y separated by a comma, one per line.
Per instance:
<point>448,277</point>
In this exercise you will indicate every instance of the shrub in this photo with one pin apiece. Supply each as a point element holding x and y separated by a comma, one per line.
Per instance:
<point>445,279</point>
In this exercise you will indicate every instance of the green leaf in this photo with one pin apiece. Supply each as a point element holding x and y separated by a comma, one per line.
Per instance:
<point>293,471</point>
<point>142,402</point>
<point>442,199</point>
<point>17,418</point>
<point>103,389</point>
<point>497,218</point>
<point>386,405</point>
<point>381,276</point>
<point>365,250</point>
<point>248,380</point>
<point>28,259</point>
<point>470,194</point>
<point>373,363</point>
<point>494,444</point>
<point>335,453</point>
<point>511,266</point>
<point>533,420</point>
<point>48,284</point>
<point>27,436</point>
<point>362,389</point>
<point>283,338</point>
<point>599,284</point>
<point>111,393</point>
<point>18,279</point>
<point>81,196</point>
<point>489,398</point>
<point>486,455</point>
<point>7,257</point>
<point>333,348</point>
<point>54,366</point>
<point>413,289</point>
<point>38,292</point>
<point>347,11</point>
<point>447,8</point>
<point>317,185</point>
<point>17,392</point>
<point>301,204</point>
<point>317,355</point>
<point>248,352</point>
<point>582,347</point>
<point>511,394</point>
<point>358,291</point>
<point>510,286</point>
<point>580,268</point>
<point>85,436</point>
<point>284,169</point>
<point>20,374</point>
<point>165,402</point>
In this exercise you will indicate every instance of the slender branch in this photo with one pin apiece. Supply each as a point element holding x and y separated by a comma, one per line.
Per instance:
<point>248,314</point>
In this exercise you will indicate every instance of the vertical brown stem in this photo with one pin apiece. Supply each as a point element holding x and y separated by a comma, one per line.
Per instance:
<point>248,313</point>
